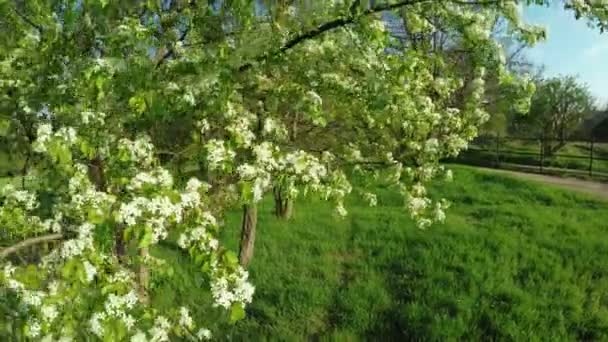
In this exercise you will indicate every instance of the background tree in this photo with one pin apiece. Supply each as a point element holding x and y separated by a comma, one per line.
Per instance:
<point>559,106</point>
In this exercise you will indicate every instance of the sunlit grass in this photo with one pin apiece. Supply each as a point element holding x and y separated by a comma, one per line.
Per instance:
<point>515,260</point>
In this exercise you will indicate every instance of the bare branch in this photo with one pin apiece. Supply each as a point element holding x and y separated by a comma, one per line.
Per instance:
<point>29,242</point>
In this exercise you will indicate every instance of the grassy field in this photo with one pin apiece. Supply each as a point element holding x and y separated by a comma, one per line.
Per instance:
<point>514,261</point>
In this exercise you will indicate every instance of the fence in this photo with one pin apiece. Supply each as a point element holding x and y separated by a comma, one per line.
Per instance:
<point>586,158</point>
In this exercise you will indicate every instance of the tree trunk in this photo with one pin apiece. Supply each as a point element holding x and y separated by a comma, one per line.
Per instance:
<point>143,276</point>
<point>283,206</point>
<point>98,177</point>
<point>248,225</point>
<point>25,169</point>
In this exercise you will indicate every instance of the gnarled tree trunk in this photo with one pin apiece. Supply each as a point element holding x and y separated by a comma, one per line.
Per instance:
<point>248,225</point>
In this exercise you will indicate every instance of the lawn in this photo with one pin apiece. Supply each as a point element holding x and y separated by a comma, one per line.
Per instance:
<point>514,261</point>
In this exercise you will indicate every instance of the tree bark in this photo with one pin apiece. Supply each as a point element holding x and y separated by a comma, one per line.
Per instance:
<point>98,177</point>
<point>283,206</point>
<point>248,226</point>
<point>143,276</point>
<point>26,168</point>
<point>28,243</point>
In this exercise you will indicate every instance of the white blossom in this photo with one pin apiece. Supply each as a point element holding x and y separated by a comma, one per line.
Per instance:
<point>341,210</point>
<point>68,134</point>
<point>233,288</point>
<point>128,321</point>
<point>139,337</point>
<point>9,270</point>
<point>218,154</point>
<point>203,334</point>
<point>49,312</point>
<point>182,241</point>
<point>95,323</point>
<point>160,177</point>
<point>204,126</point>
<point>90,271</point>
<point>193,185</point>
<point>160,330</point>
<point>184,318</point>
<point>247,171</point>
<point>33,298</point>
<point>34,328</point>
<point>43,135</point>
<point>371,199</point>
<point>449,176</point>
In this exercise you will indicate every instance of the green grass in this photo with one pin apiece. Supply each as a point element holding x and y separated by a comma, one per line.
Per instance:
<point>514,261</point>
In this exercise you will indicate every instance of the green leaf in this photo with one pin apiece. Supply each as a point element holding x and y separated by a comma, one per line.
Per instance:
<point>138,104</point>
<point>146,239</point>
<point>70,268</point>
<point>126,234</point>
<point>246,191</point>
<point>231,259</point>
<point>237,312</point>
<point>94,216</point>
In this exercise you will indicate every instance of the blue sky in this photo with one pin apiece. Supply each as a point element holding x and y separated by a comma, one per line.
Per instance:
<point>572,47</point>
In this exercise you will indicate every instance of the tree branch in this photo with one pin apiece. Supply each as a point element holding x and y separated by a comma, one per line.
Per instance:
<point>330,25</point>
<point>170,52</point>
<point>28,21</point>
<point>29,242</point>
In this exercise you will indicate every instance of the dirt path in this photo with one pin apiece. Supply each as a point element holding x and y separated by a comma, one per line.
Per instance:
<point>595,188</point>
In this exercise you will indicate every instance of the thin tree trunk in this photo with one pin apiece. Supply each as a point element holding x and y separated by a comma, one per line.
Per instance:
<point>97,176</point>
<point>283,206</point>
<point>25,169</point>
<point>248,226</point>
<point>144,276</point>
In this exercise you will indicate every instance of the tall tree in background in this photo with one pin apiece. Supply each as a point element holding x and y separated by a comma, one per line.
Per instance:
<point>559,106</point>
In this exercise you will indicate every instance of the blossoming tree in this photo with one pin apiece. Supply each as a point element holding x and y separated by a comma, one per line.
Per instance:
<point>258,95</point>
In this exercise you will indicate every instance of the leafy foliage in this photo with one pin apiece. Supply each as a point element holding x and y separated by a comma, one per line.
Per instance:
<point>114,97</point>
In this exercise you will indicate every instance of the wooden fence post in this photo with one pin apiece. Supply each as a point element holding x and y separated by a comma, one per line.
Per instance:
<point>591,156</point>
<point>497,150</point>
<point>542,151</point>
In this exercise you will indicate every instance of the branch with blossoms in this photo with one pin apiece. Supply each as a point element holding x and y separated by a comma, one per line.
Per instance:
<point>351,18</point>
<point>141,197</point>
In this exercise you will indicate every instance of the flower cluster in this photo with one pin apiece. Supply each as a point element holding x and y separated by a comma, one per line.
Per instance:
<point>240,129</point>
<point>138,151</point>
<point>89,117</point>
<point>232,288</point>
<point>115,307</point>
<point>218,154</point>
<point>21,198</point>
<point>77,246</point>
<point>159,177</point>
<point>84,196</point>
<point>45,135</point>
